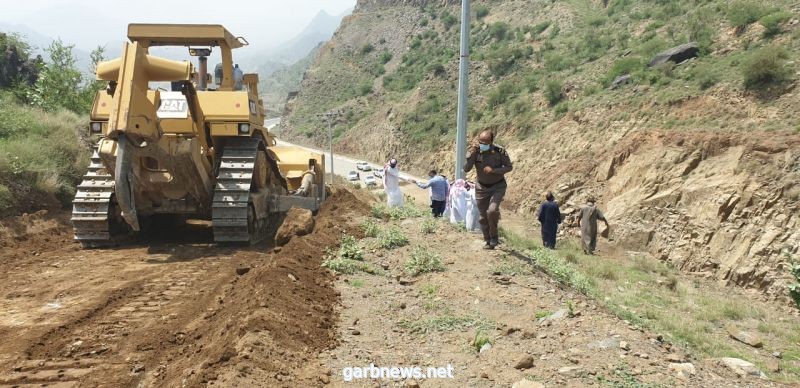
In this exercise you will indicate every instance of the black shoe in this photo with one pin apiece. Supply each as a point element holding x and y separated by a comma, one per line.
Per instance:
<point>488,246</point>
<point>493,242</point>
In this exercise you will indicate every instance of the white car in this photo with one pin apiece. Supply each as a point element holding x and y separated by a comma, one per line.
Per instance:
<point>363,166</point>
<point>353,176</point>
<point>370,181</point>
<point>378,173</point>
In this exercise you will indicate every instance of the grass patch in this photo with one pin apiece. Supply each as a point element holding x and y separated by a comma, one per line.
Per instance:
<point>480,340</point>
<point>542,313</point>
<point>356,283</point>
<point>370,228</point>
<point>381,211</point>
<point>429,225</point>
<point>423,261</point>
<point>447,322</point>
<point>392,238</point>
<point>511,267</point>
<point>348,259</point>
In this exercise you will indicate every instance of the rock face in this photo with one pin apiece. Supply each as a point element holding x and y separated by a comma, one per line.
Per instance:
<point>298,222</point>
<point>676,54</point>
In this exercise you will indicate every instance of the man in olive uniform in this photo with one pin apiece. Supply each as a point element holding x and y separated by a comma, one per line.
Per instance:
<point>587,220</point>
<point>491,164</point>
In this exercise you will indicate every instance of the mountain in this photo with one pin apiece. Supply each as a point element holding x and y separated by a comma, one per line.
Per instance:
<point>40,42</point>
<point>694,161</point>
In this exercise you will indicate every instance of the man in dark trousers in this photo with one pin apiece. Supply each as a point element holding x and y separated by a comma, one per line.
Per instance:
<point>549,217</point>
<point>491,164</point>
<point>439,187</point>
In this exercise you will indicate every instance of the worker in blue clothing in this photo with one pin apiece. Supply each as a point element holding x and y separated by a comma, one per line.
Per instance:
<point>439,187</point>
<point>549,217</point>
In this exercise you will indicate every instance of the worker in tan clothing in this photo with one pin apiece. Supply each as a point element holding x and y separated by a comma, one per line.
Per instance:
<point>491,164</point>
<point>587,220</point>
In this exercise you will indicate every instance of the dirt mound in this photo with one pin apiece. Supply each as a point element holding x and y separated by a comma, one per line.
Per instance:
<point>33,234</point>
<point>298,222</point>
<point>176,314</point>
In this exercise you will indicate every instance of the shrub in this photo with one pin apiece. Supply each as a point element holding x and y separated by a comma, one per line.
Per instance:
<point>794,288</point>
<point>501,94</point>
<point>499,31</point>
<point>366,49</point>
<point>370,228</point>
<point>540,27</point>
<point>392,238</point>
<point>6,199</point>
<point>706,77</point>
<point>772,23</point>
<point>553,91</point>
<point>349,249</point>
<point>428,226</point>
<point>423,261</point>
<point>743,13</point>
<point>481,11</point>
<point>385,57</point>
<point>448,20</point>
<point>348,259</point>
<point>365,88</point>
<point>561,109</point>
<point>480,339</point>
<point>766,67</point>
<point>395,213</point>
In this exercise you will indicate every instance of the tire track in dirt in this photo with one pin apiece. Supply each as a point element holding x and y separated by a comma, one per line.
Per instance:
<point>176,313</point>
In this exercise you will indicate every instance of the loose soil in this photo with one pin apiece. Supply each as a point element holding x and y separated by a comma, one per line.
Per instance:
<point>176,310</point>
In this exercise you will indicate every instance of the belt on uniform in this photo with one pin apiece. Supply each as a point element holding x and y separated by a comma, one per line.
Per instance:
<point>493,184</point>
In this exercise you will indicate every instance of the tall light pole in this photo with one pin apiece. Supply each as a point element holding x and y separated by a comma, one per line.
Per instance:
<point>329,117</point>
<point>463,87</point>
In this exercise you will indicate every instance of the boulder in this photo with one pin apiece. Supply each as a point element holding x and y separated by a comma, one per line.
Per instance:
<point>527,384</point>
<point>683,370</point>
<point>526,362</point>
<point>745,337</point>
<point>742,367</point>
<point>298,222</point>
<point>676,54</point>
<point>621,80</point>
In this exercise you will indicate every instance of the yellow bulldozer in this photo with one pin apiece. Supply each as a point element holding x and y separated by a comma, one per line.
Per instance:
<point>193,149</point>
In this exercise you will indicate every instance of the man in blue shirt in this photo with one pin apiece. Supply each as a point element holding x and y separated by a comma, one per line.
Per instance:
<point>549,217</point>
<point>439,187</point>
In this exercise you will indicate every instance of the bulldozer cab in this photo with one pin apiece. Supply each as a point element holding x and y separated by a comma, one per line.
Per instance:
<point>201,39</point>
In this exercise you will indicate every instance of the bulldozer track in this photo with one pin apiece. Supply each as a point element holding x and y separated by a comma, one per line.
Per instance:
<point>232,214</point>
<point>90,208</point>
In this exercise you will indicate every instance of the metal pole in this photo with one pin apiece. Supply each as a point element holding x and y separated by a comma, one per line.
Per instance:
<point>330,144</point>
<point>463,88</point>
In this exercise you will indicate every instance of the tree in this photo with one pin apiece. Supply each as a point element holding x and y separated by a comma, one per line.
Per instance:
<point>59,81</point>
<point>17,68</point>
<point>92,85</point>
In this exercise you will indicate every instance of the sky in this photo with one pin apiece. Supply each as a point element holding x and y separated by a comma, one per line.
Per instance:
<point>89,23</point>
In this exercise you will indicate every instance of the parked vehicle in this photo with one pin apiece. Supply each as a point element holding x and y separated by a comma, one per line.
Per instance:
<point>353,176</point>
<point>363,166</point>
<point>370,181</point>
<point>378,173</point>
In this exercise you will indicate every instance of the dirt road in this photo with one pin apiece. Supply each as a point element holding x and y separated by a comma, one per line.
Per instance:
<point>177,311</point>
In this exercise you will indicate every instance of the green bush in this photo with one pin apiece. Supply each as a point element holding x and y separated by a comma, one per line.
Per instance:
<point>448,20</point>
<point>553,91</point>
<point>794,288</point>
<point>349,249</point>
<point>6,199</point>
<point>370,228</point>
<point>706,77</point>
<point>540,27</point>
<point>772,23</point>
<point>365,88</point>
<point>382,211</point>
<point>385,57</point>
<point>766,67</point>
<point>743,13</point>
<point>501,94</point>
<point>429,225</point>
<point>348,259</point>
<point>499,31</point>
<point>561,109</point>
<point>392,238</point>
<point>481,11</point>
<point>366,49</point>
<point>423,261</point>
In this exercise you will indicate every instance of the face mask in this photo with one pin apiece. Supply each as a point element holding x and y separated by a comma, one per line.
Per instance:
<point>392,165</point>
<point>485,147</point>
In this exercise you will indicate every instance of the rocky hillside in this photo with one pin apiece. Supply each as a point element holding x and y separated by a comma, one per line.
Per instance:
<point>696,161</point>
